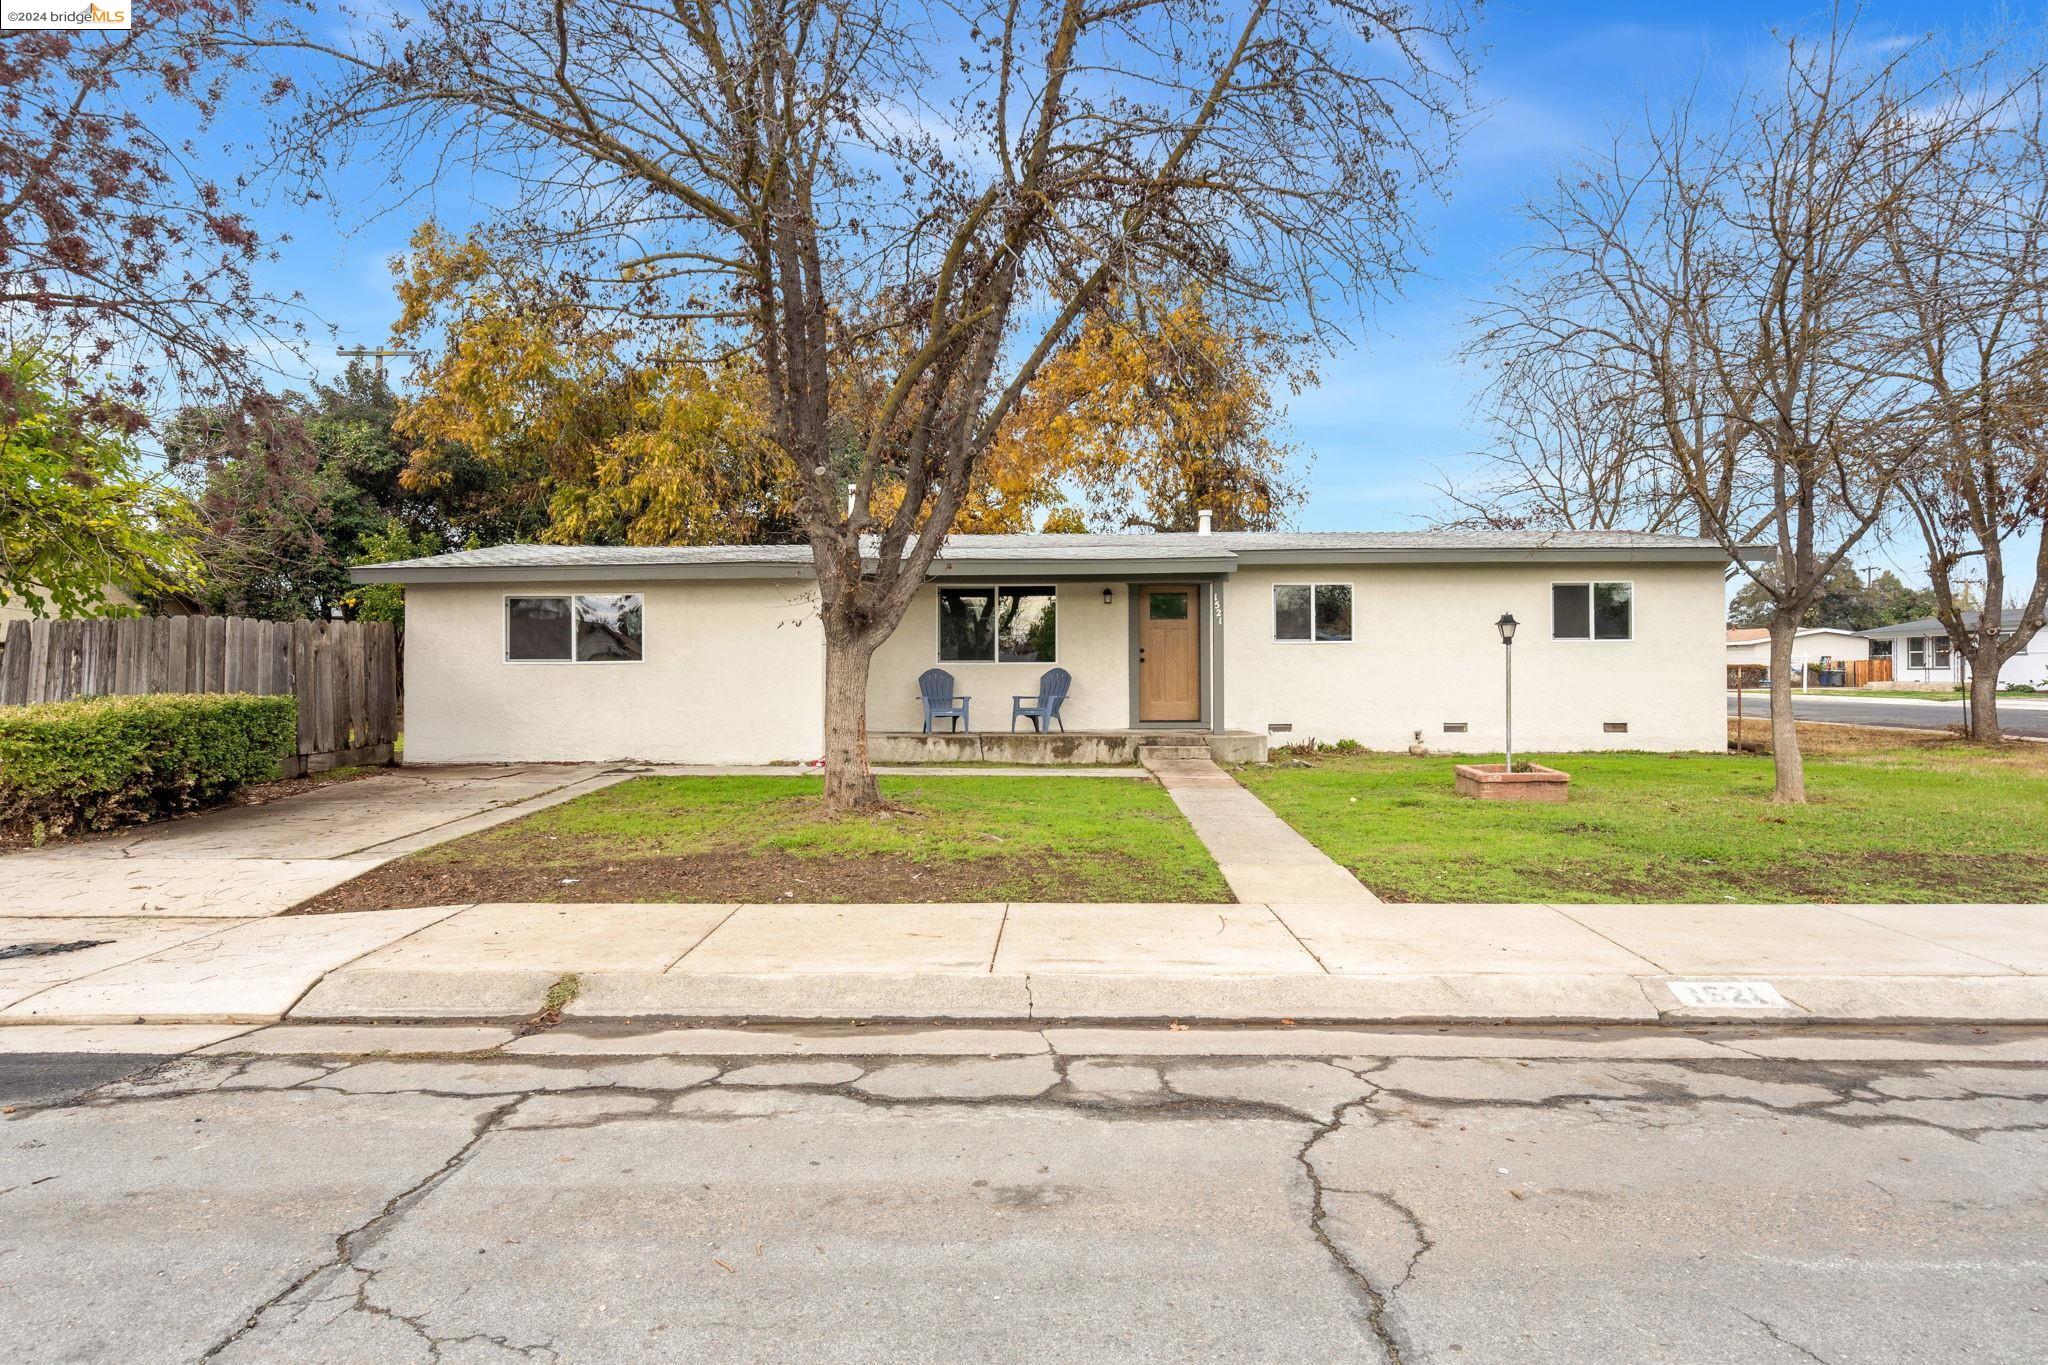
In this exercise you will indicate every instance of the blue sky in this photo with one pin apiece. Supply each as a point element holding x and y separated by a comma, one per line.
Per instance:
<point>1393,408</point>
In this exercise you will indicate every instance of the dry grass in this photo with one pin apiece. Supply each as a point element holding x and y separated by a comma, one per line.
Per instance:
<point>1854,741</point>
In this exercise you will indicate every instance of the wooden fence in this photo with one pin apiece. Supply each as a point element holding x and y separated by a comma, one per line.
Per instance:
<point>344,673</point>
<point>1855,673</point>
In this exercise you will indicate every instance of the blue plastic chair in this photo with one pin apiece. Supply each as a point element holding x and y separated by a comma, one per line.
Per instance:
<point>935,685</point>
<point>1044,709</point>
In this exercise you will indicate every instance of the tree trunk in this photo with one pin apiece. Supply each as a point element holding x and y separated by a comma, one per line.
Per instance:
<point>1786,763</point>
<point>849,784</point>
<point>1984,691</point>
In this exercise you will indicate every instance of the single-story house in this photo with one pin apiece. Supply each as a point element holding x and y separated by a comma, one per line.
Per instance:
<point>1752,645</point>
<point>714,654</point>
<point>1922,655</point>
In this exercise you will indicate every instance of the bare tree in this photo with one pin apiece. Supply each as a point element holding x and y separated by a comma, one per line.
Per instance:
<point>1968,276</point>
<point>115,254</point>
<point>902,209</point>
<point>1727,274</point>
<point>1572,449</point>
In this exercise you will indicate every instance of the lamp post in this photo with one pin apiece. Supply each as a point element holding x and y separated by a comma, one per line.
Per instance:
<point>1506,626</point>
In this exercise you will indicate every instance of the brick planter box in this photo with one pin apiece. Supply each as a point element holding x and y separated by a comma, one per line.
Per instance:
<point>1492,782</point>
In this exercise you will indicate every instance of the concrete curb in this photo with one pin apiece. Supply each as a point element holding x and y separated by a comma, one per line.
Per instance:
<point>371,995</point>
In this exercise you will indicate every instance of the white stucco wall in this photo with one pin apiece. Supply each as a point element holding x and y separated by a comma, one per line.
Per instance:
<point>2029,666</point>
<point>1424,651</point>
<point>1092,646</point>
<point>733,672</point>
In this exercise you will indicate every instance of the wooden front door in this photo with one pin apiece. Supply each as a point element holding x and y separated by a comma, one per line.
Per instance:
<point>1169,655</point>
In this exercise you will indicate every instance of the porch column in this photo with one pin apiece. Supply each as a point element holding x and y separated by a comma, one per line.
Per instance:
<point>1215,669</point>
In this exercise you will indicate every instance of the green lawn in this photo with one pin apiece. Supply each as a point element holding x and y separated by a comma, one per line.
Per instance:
<point>1887,821</point>
<point>764,839</point>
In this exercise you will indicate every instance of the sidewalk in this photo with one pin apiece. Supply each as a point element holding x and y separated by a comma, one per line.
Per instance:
<point>1355,964</point>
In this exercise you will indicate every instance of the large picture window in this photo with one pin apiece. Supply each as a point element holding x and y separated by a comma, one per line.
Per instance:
<point>1312,612</point>
<point>585,628</point>
<point>1008,625</point>
<point>1592,611</point>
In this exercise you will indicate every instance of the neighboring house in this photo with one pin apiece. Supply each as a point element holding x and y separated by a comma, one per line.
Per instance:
<point>12,608</point>
<point>1752,645</point>
<point>714,654</point>
<point>1922,655</point>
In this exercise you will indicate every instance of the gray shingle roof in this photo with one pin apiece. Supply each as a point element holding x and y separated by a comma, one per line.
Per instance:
<point>1929,625</point>
<point>1223,550</point>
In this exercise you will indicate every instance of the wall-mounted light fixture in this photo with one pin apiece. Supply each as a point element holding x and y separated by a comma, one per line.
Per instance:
<point>1107,597</point>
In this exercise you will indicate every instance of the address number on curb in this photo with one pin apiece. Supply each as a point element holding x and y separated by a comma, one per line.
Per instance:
<point>1728,995</point>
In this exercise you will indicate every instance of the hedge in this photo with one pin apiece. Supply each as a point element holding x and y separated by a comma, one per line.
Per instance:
<point>104,761</point>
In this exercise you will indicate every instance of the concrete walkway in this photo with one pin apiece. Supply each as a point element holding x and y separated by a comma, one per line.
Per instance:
<point>1627,964</point>
<point>247,861</point>
<point>1262,856</point>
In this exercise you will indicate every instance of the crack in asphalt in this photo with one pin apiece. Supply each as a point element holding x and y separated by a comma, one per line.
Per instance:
<point>349,1243</point>
<point>1845,1084</point>
<point>1373,1300</point>
<point>1774,1334</point>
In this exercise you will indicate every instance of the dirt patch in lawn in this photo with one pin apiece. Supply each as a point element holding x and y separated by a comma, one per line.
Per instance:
<point>737,875</point>
<point>1816,880</point>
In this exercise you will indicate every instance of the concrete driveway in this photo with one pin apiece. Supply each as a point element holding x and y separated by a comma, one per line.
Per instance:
<point>250,861</point>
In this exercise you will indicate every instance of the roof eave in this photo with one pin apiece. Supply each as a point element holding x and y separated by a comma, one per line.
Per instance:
<point>1547,554</point>
<point>568,573</point>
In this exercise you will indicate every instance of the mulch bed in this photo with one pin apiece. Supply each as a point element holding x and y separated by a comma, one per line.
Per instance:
<point>736,875</point>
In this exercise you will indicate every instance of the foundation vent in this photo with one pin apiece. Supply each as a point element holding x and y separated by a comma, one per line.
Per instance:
<point>1615,727</point>
<point>1281,727</point>
<point>1455,727</point>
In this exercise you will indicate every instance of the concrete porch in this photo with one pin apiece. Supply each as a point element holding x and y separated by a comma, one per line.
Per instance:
<point>1078,747</point>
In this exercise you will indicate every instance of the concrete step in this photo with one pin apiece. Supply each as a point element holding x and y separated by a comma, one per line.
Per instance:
<point>1152,755</point>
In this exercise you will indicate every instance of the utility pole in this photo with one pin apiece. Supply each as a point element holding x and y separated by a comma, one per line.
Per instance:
<point>377,353</point>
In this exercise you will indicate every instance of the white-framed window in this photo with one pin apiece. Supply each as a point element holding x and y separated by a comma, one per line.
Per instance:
<point>582,628</point>
<point>1916,652</point>
<point>1312,613</point>
<point>1005,624</point>
<point>1592,611</point>
<point>1941,651</point>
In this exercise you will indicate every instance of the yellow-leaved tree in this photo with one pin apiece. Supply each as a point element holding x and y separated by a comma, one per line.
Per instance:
<point>1153,412</point>
<point>619,447</point>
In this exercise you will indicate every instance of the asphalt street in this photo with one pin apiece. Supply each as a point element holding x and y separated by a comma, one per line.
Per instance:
<point>1913,715</point>
<point>1439,1207</point>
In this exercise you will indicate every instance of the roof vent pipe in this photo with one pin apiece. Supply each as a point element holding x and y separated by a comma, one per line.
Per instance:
<point>1203,519</point>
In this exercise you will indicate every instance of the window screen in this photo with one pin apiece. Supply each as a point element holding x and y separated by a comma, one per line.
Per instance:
<point>967,623</point>
<point>1571,612</point>
<point>1291,611</point>
<point>537,628</point>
